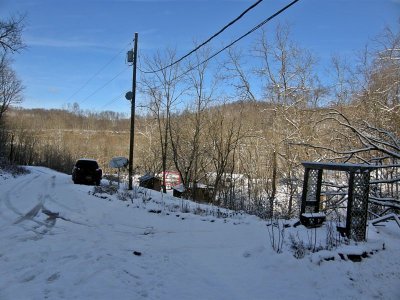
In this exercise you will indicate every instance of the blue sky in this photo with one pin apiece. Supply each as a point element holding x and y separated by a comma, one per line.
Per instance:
<point>70,41</point>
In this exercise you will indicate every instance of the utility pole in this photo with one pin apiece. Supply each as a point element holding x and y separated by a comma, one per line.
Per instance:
<point>133,99</point>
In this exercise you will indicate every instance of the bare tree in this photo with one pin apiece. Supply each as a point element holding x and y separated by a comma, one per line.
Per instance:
<point>238,77</point>
<point>148,158</point>
<point>343,88</point>
<point>10,86</point>
<point>358,140</point>
<point>225,132</point>
<point>292,86</point>
<point>11,33</point>
<point>10,41</point>
<point>188,130</point>
<point>164,92</point>
<point>378,73</point>
<point>287,70</point>
<point>366,119</point>
<point>363,140</point>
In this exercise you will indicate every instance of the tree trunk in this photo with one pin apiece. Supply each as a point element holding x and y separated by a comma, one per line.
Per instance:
<point>273,192</point>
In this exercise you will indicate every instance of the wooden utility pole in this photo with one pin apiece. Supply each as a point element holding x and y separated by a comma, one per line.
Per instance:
<point>132,135</point>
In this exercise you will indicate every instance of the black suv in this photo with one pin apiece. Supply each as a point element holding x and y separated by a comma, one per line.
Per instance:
<point>87,171</point>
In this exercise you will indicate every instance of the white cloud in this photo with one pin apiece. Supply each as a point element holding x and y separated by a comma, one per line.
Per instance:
<point>61,43</point>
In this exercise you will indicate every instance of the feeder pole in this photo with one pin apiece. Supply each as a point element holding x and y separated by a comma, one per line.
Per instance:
<point>132,135</point>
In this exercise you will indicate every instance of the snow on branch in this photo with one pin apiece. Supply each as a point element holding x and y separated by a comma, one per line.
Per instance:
<point>387,202</point>
<point>370,137</point>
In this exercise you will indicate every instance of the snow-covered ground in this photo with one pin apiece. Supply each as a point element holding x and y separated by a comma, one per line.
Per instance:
<point>99,247</point>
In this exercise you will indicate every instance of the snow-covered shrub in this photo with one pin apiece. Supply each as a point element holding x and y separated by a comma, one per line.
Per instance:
<point>124,195</point>
<point>298,247</point>
<point>276,233</point>
<point>199,211</point>
<point>105,189</point>
<point>312,240</point>
<point>333,238</point>
<point>14,170</point>
<point>301,248</point>
<point>145,194</point>
<point>137,192</point>
<point>185,208</point>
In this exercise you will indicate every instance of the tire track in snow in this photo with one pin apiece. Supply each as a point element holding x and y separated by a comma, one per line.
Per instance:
<point>60,204</point>
<point>31,214</point>
<point>40,228</point>
<point>30,221</point>
<point>12,190</point>
<point>20,185</point>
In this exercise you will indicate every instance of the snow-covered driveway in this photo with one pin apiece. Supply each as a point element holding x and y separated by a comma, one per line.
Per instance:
<point>58,241</point>
<point>87,252</point>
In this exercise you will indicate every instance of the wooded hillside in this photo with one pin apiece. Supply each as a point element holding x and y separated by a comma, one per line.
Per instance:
<point>247,150</point>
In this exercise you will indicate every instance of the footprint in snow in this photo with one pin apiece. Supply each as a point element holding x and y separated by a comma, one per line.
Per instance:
<point>53,277</point>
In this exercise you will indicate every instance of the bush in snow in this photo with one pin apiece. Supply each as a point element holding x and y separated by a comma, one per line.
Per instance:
<point>298,247</point>
<point>125,195</point>
<point>105,189</point>
<point>138,192</point>
<point>276,232</point>
<point>333,237</point>
<point>14,170</point>
<point>185,208</point>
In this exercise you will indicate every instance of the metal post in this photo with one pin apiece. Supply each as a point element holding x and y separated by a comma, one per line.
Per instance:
<point>305,191</point>
<point>350,202</point>
<point>132,135</point>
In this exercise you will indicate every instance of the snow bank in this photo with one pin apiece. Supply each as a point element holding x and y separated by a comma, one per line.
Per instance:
<point>159,247</point>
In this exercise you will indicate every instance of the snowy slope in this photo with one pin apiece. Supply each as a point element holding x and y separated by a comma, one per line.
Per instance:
<point>87,251</point>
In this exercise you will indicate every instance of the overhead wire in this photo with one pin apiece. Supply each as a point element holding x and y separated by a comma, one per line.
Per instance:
<point>113,100</point>
<point>97,73</point>
<point>237,40</point>
<point>104,85</point>
<point>192,51</point>
<point>208,40</point>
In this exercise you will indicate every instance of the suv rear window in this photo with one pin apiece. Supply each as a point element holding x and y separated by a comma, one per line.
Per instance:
<point>87,164</point>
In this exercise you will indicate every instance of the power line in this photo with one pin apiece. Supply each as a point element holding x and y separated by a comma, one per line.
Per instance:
<point>208,40</point>
<point>104,85</point>
<point>246,34</point>
<point>209,58</point>
<point>113,100</point>
<point>238,39</point>
<point>97,73</point>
